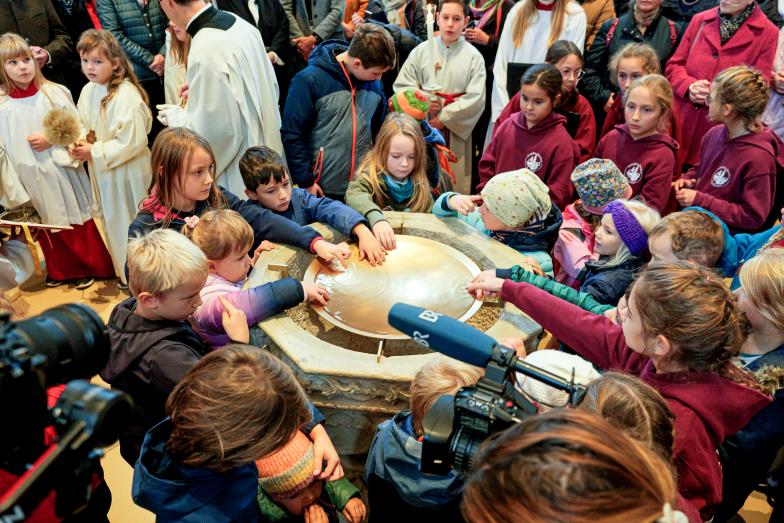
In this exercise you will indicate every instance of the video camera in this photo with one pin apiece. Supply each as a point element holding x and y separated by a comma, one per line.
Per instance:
<point>63,343</point>
<point>456,425</point>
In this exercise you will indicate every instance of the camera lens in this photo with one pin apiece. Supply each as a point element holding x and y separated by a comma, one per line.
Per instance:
<point>73,339</point>
<point>464,447</point>
<point>104,412</point>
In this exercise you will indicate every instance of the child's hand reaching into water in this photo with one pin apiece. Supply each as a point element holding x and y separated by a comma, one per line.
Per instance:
<point>485,285</point>
<point>385,235</point>
<point>314,292</point>
<point>355,510</point>
<point>370,248</point>
<point>463,204</point>
<point>329,251</point>
<point>235,323</point>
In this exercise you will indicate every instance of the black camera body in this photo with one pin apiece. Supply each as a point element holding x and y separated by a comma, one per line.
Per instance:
<point>64,343</point>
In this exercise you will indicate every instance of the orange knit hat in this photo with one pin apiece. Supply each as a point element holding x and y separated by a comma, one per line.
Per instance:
<point>288,471</point>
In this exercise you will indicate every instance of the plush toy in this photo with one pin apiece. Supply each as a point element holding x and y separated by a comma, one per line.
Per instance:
<point>61,129</point>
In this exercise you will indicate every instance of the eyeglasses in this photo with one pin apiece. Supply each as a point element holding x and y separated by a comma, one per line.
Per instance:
<point>577,74</point>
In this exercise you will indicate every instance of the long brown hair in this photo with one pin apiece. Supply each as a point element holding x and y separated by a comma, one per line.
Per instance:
<point>172,153</point>
<point>569,466</point>
<point>14,46</point>
<point>235,405</point>
<point>375,161</point>
<point>746,90</point>
<point>526,15</point>
<point>634,407</point>
<point>690,306</point>
<point>179,48</point>
<point>107,45</point>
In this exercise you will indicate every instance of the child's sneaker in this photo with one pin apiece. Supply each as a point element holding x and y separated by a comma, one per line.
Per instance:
<point>83,283</point>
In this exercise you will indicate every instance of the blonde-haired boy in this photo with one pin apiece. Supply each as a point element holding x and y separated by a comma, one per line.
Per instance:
<point>395,483</point>
<point>152,342</point>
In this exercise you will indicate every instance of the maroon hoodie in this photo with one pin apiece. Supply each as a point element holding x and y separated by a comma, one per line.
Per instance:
<point>547,150</point>
<point>736,177</point>
<point>649,163</point>
<point>707,407</point>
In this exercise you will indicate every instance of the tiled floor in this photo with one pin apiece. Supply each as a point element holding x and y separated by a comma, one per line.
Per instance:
<point>102,297</point>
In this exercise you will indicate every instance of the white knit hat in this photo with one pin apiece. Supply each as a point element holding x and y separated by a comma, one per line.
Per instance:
<point>562,365</point>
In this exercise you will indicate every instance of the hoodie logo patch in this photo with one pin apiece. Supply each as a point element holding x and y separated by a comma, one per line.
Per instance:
<point>533,162</point>
<point>721,177</point>
<point>633,172</point>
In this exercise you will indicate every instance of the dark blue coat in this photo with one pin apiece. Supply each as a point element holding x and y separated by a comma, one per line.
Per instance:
<point>607,284</point>
<point>305,209</point>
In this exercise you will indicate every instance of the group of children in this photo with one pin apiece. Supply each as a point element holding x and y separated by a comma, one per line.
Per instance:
<point>706,358</point>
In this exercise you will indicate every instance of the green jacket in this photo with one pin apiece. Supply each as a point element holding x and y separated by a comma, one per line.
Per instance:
<point>359,195</point>
<point>338,493</point>
<point>582,299</point>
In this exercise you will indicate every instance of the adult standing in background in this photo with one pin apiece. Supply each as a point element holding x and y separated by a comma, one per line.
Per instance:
<point>37,22</point>
<point>735,33</point>
<point>311,22</point>
<point>232,92</point>
<point>77,16</point>
<point>597,12</point>
<point>140,27</point>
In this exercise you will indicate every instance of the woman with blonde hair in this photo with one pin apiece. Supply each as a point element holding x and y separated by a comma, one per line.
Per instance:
<point>531,27</point>
<point>392,176</point>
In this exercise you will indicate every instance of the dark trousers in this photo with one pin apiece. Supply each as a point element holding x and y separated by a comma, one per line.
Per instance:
<point>155,93</point>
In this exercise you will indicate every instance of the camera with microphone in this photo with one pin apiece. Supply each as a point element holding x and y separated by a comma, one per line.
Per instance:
<point>455,426</point>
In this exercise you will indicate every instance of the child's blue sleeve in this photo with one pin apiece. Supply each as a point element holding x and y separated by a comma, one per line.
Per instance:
<point>270,226</point>
<point>442,209</point>
<point>332,212</point>
<point>746,247</point>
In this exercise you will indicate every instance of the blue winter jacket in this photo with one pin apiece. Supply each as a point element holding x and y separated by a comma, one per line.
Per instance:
<point>318,114</point>
<point>185,494</point>
<point>608,284</point>
<point>395,455</point>
<point>305,209</point>
<point>738,248</point>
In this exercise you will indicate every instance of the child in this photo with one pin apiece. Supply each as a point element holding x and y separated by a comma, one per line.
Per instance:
<point>268,186</point>
<point>116,120</point>
<point>689,235</point>
<point>641,148</point>
<point>333,107</point>
<point>392,176</point>
<point>632,62</point>
<point>35,171</point>
<point>641,413</point>
<point>458,79</point>
<point>568,466</point>
<point>392,471</point>
<point>225,239</point>
<point>288,491</point>
<point>236,404</point>
<point>597,182</point>
<point>566,56</point>
<point>620,243</point>
<point>736,174</point>
<point>183,186</point>
<point>536,138</point>
<point>679,334</point>
<point>153,344</point>
<point>515,210</point>
<point>747,456</point>
<point>439,158</point>
<point>530,29</point>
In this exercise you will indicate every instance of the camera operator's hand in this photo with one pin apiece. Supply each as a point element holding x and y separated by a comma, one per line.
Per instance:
<point>517,344</point>
<point>485,285</point>
<point>326,460</point>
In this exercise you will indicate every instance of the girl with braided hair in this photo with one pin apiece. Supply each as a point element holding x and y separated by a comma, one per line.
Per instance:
<point>681,330</point>
<point>735,177</point>
<point>116,120</point>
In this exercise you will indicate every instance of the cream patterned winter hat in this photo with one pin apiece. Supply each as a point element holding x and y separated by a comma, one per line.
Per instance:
<point>515,197</point>
<point>598,182</point>
<point>562,365</point>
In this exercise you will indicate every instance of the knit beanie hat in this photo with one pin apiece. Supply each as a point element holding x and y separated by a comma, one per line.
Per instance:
<point>412,102</point>
<point>288,471</point>
<point>517,196</point>
<point>598,182</point>
<point>561,364</point>
<point>629,229</point>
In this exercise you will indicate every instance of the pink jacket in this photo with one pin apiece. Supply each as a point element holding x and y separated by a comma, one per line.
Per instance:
<point>574,246</point>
